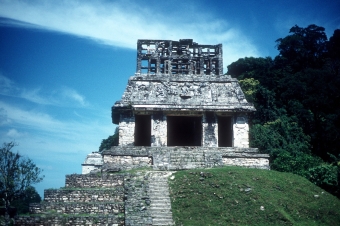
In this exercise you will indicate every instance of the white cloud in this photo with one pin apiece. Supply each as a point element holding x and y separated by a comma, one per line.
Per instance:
<point>14,134</point>
<point>34,96</point>
<point>121,23</point>
<point>7,86</point>
<point>63,96</point>
<point>73,95</point>
<point>47,124</point>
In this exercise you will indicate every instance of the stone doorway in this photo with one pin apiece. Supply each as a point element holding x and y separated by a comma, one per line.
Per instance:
<point>142,130</point>
<point>225,131</point>
<point>184,130</point>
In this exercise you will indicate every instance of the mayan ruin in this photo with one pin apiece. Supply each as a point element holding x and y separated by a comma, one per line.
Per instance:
<point>178,111</point>
<point>182,110</point>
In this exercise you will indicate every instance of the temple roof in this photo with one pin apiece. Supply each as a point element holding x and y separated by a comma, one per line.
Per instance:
<point>180,76</point>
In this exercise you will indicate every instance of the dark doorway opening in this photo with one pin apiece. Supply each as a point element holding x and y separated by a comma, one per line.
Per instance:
<point>184,130</point>
<point>225,131</point>
<point>142,130</point>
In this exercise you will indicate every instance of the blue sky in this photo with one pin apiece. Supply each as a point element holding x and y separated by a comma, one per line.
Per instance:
<point>63,64</point>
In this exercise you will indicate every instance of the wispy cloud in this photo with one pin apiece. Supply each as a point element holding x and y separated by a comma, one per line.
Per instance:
<point>14,134</point>
<point>62,96</point>
<point>37,126</point>
<point>121,23</point>
<point>73,95</point>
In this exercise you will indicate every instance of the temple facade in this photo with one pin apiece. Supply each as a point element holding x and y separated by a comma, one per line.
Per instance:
<point>179,102</point>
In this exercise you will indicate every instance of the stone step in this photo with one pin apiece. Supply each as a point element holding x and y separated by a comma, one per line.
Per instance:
<point>160,205</point>
<point>166,219</point>
<point>161,200</point>
<point>158,191</point>
<point>162,222</point>
<point>162,213</point>
<point>159,182</point>
<point>159,187</point>
<point>163,209</point>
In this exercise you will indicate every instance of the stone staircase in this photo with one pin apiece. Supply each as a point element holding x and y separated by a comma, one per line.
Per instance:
<point>137,199</point>
<point>160,206</point>
<point>84,201</point>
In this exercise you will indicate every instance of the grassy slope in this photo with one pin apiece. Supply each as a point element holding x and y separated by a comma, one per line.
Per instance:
<point>240,196</point>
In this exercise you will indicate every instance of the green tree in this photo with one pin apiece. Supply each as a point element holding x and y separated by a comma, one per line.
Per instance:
<point>112,140</point>
<point>17,174</point>
<point>30,196</point>
<point>304,48</point>
<point>333,47</point>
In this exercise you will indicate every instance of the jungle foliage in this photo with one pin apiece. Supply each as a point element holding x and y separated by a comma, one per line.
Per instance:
<point>112,140</point>
<point>297,97</point>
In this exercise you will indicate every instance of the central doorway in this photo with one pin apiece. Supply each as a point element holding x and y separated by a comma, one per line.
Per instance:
<point>184,130</point>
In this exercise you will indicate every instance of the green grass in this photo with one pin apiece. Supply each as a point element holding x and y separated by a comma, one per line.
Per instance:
<point>241,196</point>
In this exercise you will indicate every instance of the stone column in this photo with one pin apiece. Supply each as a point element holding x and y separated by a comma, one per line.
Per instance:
<point>126,130</point>
<point>158,130</point>
<point>209,130</point>
<point>241,132</point>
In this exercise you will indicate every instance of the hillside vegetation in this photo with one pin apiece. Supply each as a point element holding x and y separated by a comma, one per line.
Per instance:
<point>241,196</point>
<point>297,96</point>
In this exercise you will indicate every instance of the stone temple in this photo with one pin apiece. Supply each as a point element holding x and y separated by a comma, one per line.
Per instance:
<point>179,111</point>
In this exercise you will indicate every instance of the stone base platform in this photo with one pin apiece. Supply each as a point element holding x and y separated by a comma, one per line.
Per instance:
<point>181,158</point>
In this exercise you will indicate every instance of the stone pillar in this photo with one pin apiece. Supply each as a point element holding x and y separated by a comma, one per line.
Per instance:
<point>241,132</point>
<point>126,130</point>
<point>209,130</point>
<point>158,130</point>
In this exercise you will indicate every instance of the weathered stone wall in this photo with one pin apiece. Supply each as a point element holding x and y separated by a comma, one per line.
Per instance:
<point>85,195</point>
<point>178,158</point>
<point>93,180</point>
<point>209,130</point>
<point>129,162</point>
<point>260,163</point>
<point>126,130</point>
<point>78,208</point>
<point>158,130</point>
<point>47,220</point>
<point>241,132</point>
<point>137,203</point>
<point>185,92</point>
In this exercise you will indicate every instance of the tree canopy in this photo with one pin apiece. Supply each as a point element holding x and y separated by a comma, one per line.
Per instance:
<point>297,97</point>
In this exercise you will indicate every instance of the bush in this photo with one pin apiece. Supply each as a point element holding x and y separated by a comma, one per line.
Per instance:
<point>324,176</point>
<point>298,162</point>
